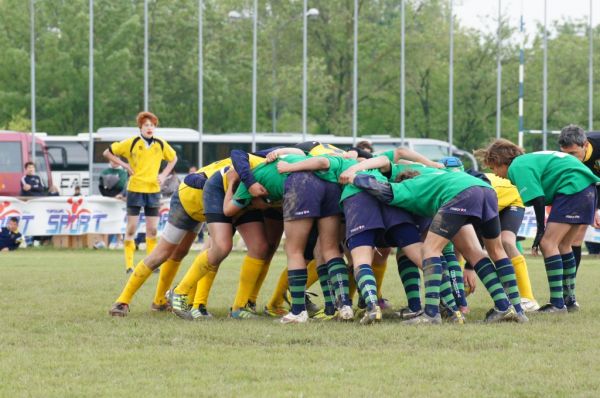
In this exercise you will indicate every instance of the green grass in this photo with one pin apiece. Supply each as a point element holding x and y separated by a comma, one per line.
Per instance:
<point>56,339</point>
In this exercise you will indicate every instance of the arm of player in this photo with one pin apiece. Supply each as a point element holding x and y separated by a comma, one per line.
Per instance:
<point>113,158</point>
<point>272,156</point>
<point>168,168</point>
<point>540,217</point>
<point>241,163</point>
<point>380,162</point>
<point>312,164</point>
<point>381,190</point>
<point>409,154</point>
<point>232,207</point>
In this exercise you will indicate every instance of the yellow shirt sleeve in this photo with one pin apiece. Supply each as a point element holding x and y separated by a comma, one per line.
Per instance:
<point>168,152</point>
<point>122,148</point>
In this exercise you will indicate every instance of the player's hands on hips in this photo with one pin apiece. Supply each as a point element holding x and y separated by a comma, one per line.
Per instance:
<point>284,167</point>
<point>129,169</point>
<point>470,279</point>
<point>161,179</point>
<point>257,189</point>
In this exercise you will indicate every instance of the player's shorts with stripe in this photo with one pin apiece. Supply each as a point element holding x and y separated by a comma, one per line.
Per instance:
<point>307,196</point>
<point>578,208</point>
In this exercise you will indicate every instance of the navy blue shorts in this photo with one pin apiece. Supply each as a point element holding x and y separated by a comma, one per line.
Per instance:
<point>511,218</point>
<point>393,216</point>
<point>363,213</point>
<point>212,199</point>
<point>149,201</point>
<point>307,196</point>
<point>178,217</point>
<point>578,208</point>
<point>478,202</point>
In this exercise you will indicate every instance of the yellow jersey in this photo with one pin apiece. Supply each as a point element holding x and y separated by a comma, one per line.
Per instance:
<point>144,160</point>
<point>508,195</point>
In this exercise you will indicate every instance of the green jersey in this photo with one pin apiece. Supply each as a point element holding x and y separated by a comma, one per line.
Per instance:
<point>388,154</point>
<point>548,173</point>
<point>426,193</point>
<point>268,176</point>
<point>421,168</point>
<point>337,165</point>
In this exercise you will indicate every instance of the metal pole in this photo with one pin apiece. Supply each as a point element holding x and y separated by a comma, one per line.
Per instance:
<point>402,76</point>
<point>499,79</point>
<point>451,82</point>
<point>32,74</point>
<point>591,75</point>
<point>355,77</point>
<point>91,100</point>
<point>545,82</point>
<point>200,83</point>
<point>521,70</point>
<point>274,82</point>
<point>145,55</point>
<point>254,68</point>
<point>304,72</point>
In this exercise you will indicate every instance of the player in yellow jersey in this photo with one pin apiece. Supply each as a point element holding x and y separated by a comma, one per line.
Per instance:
<point>144,154</point>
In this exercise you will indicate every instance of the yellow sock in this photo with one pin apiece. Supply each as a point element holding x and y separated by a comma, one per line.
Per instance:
<point>203,289</point>
<point>259,282</point>
<point>351,284</point>
<point>280,289</point>
<point>249,273</point>
<point>129,247</point>
<point>137,279</point>
<point>379,272</point>
<point>150,245</point>
<point>168,270</point>
<point>311,268</point>
<point>522,275</point>
<point>197,270</point>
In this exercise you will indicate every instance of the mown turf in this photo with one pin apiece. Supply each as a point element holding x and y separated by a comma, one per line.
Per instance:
<point>56,339</point>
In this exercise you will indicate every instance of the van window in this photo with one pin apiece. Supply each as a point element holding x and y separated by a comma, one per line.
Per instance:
<point>76,153</point>
<point>433,152</point>
<point>11,157</point>
<point>40,164</point>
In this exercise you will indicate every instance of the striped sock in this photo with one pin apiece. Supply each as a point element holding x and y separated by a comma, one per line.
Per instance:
<point>577,255</point>
<point>569,274</point>
<point>506,274</point>
<point>456,276</point>
<point>297,282</point>
<point>446,294</point>
<point>328,294</point>
<point>432,273</point>
<point>554,273</point>
<point>487,273</point>
<point>411,280</point>
<point>365,280</point>
<point>339,278</point>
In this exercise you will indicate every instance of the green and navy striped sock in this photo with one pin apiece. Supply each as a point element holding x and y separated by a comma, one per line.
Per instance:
<point>328,294</point>
<point>569,275</point>
<point>432,273</point>
<point>456,276</point>
<point>338,276</point>
<point>365,281</point>
<point>554,273</point>
<point>446,294</point>
<point>411,280</point>
<point>297,283</point>
<point>487,273</point>
<point>506,273</point>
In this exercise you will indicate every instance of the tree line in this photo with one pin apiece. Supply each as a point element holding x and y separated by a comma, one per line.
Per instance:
<point>62,68</point>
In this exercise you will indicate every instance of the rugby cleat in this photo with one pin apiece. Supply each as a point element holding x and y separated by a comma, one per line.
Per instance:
<point>372,315</point>
<point>160,307</point>
<point>424,319</point>
<point>251,306</point>
<point>275,312</point>
<point>345,313</point>
<point>242,313</point>
<point>522,318</point>
<point>529,305</point>
<point>322,316</point>
<point>119,309</point>
<point>200,313</point>
<point>494,315</point>
<point>551,309</point>
<point>406,313</point>
<point>384,304</point>
<point>456,317</point>
<point>311,307</point>
<point>572,306</point>
<point>293,318</point>
<point>180,306</point>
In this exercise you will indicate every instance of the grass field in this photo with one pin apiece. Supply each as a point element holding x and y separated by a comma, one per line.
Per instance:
<point>56,339</point>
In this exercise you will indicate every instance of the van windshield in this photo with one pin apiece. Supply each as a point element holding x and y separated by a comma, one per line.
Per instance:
<point>11,158</point>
